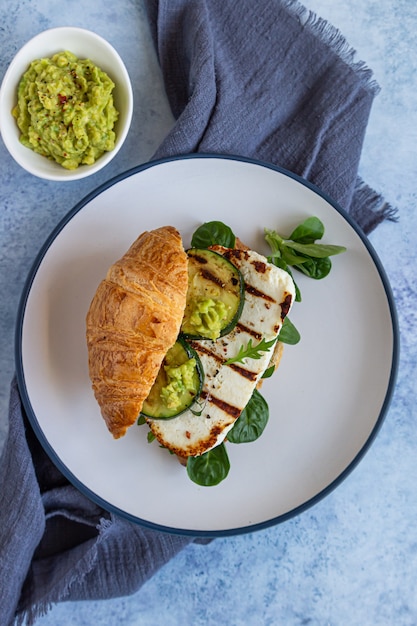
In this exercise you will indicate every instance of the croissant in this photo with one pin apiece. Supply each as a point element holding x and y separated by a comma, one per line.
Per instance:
<point>134,318</point>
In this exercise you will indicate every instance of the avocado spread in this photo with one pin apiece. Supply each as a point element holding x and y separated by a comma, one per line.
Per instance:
<point>207,317</point>
<point>177,384</point>
<point>65,110</point>
<point>180,379</point>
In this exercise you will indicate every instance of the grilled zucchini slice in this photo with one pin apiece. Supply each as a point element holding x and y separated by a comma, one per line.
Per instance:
<point>178,384</point>
<point>215,295</point>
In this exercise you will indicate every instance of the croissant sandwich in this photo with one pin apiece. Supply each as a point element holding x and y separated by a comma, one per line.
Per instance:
<point>165,330</point>
<point>134,318</point>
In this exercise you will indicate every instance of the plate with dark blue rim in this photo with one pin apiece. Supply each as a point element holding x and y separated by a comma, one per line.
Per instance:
<point>327,400</point>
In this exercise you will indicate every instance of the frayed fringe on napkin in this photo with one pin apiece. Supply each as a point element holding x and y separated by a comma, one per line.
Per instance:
<point>378,208</point>
<point>29,615</point>
<point>335,40</point>
<point>316,133</point>
<point>113,564</point>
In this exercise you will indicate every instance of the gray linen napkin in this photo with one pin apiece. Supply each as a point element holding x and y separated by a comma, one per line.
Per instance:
<point>272,81</point>
<point>56,544</point>
<point>260,79</point>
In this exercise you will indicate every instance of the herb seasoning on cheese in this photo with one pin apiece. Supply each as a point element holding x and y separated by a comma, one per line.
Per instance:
<point>65,110</point>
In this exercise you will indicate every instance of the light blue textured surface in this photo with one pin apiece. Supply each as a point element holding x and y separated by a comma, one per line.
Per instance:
<point>352,559</point>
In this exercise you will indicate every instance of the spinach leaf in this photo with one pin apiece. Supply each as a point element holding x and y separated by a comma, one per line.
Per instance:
<point>308,231</point>
<point>210,468</point>
<point>291,257</point>
<point>279,262</point>
<point>288,333</point>
<point>297,289</point>
<point>268,372</point>
<point>316,268</point>
<point>212,233</point>
<point>251,422</point>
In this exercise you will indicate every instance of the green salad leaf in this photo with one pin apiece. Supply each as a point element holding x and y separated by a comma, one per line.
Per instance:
<point>251,423</point>
<point>213,233</point>
<point>250,351</point>
<point>210,468</point>
<point>288,333</point>
<point>308,231</point>
<point>301,251</point>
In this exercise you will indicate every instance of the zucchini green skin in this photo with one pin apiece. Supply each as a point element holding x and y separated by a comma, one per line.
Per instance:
<point>213,276</point>
<point>156,409</point>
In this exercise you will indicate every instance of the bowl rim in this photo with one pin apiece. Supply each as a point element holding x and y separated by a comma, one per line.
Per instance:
<point>53,171</point>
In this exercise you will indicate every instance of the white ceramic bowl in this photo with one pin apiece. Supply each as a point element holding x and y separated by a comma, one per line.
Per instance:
<point>84,44</point>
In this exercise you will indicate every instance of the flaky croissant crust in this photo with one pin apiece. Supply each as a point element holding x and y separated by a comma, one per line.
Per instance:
<point>134,318</point>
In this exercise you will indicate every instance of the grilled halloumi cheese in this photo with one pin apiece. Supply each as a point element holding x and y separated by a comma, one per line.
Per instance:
<point>269,294</point>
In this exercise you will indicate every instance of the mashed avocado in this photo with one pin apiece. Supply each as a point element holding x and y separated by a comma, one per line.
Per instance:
<point>207,317</point>
<point>177,385</point>
<point>65,110</point>
<point>180,378</point>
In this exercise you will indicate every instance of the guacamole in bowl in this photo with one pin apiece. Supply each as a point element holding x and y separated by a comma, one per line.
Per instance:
<point>65,110</point>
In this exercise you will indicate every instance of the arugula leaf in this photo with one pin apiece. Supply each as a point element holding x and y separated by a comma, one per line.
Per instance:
<point>252,421</point>
<point>210,468</point>
<point>250,351</point>
<point>212,233</point>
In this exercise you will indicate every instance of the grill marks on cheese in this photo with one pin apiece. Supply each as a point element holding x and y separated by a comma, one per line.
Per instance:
<point>269,293</point>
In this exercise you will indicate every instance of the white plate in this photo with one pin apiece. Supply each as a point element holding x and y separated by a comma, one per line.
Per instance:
<point>326,402</point>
